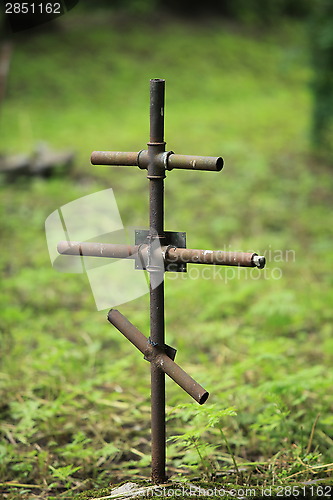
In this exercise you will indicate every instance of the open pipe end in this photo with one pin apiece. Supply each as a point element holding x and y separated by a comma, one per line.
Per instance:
<point>203,398</point>
<point>259,261</point>
<point>69,248</point>
<point>219,164</point>
<point>62,247</point>
<point>94,157</point>
<point>110,313</point>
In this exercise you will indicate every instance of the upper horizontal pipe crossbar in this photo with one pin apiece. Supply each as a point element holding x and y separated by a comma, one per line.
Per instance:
<point>168,160</point>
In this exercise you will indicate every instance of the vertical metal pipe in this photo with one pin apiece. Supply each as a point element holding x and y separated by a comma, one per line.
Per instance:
<point>156,145</point>
<point>157,93</point>
<point>158,430</point>
<point>156,213</point>
<point>156,217</point>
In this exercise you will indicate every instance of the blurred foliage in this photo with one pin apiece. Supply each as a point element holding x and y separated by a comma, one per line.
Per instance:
<point>268,13</point>
<point>74,402</point>
<point>241,10</point>
<point>322,59</point>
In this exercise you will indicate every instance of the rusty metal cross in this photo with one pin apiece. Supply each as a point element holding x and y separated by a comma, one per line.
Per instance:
<point>158,251</point>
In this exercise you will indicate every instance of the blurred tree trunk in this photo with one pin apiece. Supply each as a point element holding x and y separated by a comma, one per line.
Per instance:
<point>5,56</point>
<point>6,47</point>
<point>322,53</point>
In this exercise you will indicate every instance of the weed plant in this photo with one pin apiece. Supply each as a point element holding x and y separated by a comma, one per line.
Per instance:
<point>74,403</point>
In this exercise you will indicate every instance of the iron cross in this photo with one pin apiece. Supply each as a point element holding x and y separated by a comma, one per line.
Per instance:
<point>159,251</point>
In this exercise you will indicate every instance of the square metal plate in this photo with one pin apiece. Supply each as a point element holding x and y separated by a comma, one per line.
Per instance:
<point>174,238</point>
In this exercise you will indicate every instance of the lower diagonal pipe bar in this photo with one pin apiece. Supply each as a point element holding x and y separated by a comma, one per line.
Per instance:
<point>179,376</point>
<point>157,356</point>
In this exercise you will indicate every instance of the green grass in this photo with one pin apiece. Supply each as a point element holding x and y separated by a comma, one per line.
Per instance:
<point>74,394</point>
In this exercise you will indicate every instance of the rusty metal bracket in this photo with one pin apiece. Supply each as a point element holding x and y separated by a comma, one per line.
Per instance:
<point>172,239</point>
<point>169,351</point>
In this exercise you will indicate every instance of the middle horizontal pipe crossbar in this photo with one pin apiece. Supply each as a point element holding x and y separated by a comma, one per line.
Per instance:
<point>169,254</point>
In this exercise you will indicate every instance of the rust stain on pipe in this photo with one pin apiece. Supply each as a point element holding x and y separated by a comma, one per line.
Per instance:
<point>187,383</point>
<point>188,162</point>
<point>128,330</point>
<point>87,249</point>
<point>114,158</point>
<point>217,257</point>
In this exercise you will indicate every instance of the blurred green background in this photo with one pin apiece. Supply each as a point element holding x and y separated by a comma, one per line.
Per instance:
<point>249,81</point>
